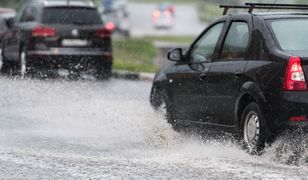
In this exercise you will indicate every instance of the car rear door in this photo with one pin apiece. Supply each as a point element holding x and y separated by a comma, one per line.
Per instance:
<point>225,74</point>
<point>189,82</point>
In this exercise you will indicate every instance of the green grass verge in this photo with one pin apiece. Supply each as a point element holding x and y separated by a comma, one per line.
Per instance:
<point>173,39</point>
<point>137,54</point>
<point>134,55</point>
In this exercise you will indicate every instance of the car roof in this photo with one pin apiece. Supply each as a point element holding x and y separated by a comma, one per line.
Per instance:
<point>64,3</point>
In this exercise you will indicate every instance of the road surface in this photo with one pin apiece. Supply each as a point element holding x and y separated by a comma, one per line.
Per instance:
<point>107,130</point>
<point>186,21</point>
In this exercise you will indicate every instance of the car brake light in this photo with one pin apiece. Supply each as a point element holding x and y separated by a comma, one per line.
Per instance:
<point>42,31</point>
<point>106,31</point>
<point>156,13</point>
<point>298,118</point>
<point>295,78</point>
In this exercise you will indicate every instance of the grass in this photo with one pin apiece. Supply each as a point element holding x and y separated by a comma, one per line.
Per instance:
<point>137,54</point>
<point>134,55</point>
<point>173,39</point>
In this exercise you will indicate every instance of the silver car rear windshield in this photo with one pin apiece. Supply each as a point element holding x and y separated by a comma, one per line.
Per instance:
<point>291,34</point>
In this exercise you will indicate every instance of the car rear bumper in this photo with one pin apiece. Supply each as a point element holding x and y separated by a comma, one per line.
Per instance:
<point>70,52</point>
<point>69,58</point>
<point>287,110</point>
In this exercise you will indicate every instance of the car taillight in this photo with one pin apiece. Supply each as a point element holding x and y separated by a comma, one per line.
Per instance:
<point>295,77</point>
<point>106,31</point>
<point>43,31</point>
<point>298,118</point>
<point>156,14</point>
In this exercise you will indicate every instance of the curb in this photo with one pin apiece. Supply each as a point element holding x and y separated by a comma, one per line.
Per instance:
<point>135,76</point>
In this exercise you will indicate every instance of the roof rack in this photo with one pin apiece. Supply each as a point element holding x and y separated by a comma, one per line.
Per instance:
<point>252,6</point>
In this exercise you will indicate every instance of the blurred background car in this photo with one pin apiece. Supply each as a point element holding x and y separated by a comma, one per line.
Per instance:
<point>53,35</point>
<point>5,14</point>
<point>120,19</point>
<point>163,15</point>
<point>115,11</point>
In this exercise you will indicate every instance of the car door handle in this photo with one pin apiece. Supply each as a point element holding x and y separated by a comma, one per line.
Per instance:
<point>203,76</point>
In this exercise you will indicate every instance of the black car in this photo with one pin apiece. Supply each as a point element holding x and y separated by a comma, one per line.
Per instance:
<point>3,27</point>
<point>48,35</point>
<point>245,74</point>
<point>120,18</point>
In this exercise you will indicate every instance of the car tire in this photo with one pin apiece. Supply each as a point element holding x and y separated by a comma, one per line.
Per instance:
<point>23,68</point>
<point>254,129</point>
<point>6,67</point>
<point>103,72</point>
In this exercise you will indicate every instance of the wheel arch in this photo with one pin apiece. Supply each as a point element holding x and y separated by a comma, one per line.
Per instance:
<point>156,95</point>
<point>159,87</point>
<point>249,92</point>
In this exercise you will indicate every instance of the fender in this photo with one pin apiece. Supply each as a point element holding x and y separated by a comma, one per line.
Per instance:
<point>159,84</point>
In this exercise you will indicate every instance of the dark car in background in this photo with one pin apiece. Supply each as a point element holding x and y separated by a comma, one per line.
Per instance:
<point>115,11</point>
<point>51,35</point>
<point>120,19</point>
<point>245,74</point>
<point>5,14</point>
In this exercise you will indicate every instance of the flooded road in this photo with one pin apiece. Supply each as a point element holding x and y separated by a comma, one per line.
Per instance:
<point>107,130</point>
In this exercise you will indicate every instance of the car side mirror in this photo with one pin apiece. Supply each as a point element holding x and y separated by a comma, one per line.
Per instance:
<point>10,22</point>
<point>175,55</point>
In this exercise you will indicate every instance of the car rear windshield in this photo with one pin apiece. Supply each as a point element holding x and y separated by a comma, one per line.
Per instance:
<point>291,34</point>
<point>71,15</point>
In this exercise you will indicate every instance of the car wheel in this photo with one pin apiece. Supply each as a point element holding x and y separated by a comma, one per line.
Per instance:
<point>6,67</point>
<point>126,34</point>
<point>103,71</point>
<point>23,67</point>
<point>254,129</point>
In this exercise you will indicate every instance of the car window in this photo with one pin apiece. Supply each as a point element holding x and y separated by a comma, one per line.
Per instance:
<point>204,49</point>
<point>28,14</point>
<point>68,15</point>
<point>236,43</point>
<point>291,34</point>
